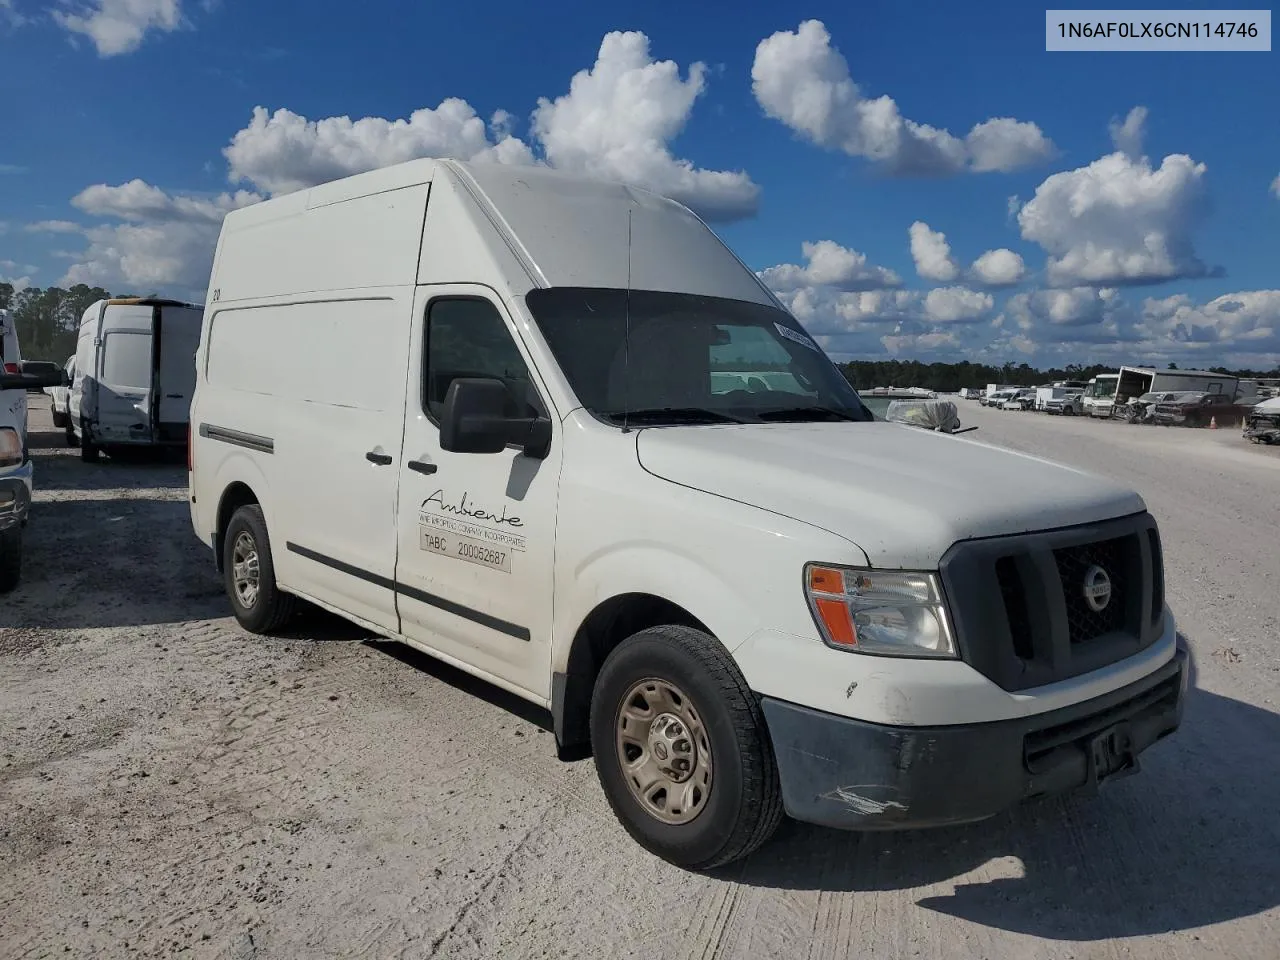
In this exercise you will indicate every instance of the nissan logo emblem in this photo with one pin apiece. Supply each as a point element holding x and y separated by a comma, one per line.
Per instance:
<point>1097,588</point>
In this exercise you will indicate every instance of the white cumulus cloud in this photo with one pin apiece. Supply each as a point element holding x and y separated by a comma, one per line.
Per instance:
<point>932,253</point>
<point>1128,134</point>
<point>830,264</point>
<point>140,201</point>
<point>1120,221</point>
<point>618,118</point>
<point>957,305</point>
<point>999,268</point>
<point>801,80</point>
<point>282,152</point>
<point>1067,307</point>
<point>1248,319</point>
<point>118,26</point>
<point>1275,185</point>
<point>165,241</point>
<point>616,122</point>
<point>825,310</point>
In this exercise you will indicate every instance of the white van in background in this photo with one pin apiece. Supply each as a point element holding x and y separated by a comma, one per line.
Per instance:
<point>552,431</point>
<point>134,375</point>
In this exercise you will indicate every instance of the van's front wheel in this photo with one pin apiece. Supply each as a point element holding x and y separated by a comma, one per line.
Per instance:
<point>682,750</point>
<point>249,574</point>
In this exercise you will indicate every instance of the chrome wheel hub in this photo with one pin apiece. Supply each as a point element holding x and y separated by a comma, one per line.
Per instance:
<point>664,751</point>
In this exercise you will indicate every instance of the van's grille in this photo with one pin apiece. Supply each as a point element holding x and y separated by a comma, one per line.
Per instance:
<point>1023,616</point>
<point>1074,565</point>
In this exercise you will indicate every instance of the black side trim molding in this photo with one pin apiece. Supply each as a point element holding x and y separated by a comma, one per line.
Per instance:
<point>413,593</point>
<point>238,438</point>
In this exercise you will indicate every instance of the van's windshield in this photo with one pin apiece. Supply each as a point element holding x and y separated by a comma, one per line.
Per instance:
<point>690,359</point>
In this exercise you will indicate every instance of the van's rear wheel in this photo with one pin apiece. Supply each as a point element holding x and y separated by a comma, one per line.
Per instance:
<point>249,575</point>
<point>682,750</point>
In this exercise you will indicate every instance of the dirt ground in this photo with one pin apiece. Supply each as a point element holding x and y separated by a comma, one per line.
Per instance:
<point>172,787</point>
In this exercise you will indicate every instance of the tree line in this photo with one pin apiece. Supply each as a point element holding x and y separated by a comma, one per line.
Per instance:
<point>48,318</point>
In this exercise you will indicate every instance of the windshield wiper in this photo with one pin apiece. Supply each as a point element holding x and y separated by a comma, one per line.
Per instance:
<point>688,415</point>
<point>813,413</point>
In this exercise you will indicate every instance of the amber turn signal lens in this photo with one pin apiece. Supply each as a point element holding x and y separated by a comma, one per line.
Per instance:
<point>826,580</point>
<point>838,621</point>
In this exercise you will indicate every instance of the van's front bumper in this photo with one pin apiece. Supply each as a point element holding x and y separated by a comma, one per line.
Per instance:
<point>852,775</point>
<point>15,495</point>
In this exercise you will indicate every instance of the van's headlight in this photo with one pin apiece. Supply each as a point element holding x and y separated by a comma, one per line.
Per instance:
<point>10,447</point>
<point>886,612</point>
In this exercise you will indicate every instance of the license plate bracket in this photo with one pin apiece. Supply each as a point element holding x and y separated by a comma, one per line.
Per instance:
<point>1111,755</point>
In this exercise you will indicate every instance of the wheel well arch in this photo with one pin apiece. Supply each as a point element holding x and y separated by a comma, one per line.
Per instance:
<point>237,495</point>
<point>603,629</point>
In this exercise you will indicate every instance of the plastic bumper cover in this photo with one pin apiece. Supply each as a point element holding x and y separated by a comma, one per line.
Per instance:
<point>15,495</point>
<point>852,775</point>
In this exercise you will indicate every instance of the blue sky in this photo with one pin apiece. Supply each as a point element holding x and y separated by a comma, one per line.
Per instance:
<point>119,113</point>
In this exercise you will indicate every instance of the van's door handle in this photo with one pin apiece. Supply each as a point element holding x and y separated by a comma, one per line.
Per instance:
<point>382,459</point>
<point>422,466</point>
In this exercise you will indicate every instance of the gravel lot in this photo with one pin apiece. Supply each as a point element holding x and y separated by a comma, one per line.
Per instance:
<point>170,786</point>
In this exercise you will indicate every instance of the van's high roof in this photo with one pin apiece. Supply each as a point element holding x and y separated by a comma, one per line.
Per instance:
<point>515,228</point>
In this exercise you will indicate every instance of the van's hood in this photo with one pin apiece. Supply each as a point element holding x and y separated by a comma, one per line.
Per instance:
<point>902,494</point>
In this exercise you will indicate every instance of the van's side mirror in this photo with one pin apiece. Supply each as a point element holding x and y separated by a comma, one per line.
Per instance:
<point>474,420</point>
<point>34,375</point>
<point>474,416</point>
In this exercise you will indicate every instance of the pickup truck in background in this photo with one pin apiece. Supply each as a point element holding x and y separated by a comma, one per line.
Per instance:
<point>1195,409</point>
<point>16,378</point>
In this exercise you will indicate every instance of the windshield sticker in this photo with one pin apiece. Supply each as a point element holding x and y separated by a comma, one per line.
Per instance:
<point>796,337</point>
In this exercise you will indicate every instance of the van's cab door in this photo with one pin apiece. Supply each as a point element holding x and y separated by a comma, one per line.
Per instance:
<point>476,530</point>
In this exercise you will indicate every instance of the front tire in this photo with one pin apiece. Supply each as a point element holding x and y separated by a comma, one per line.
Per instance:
<point>10,558</point>
<point>682,750</point>
<point>249,575</point>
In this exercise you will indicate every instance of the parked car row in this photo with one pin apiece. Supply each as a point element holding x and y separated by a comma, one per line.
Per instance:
<point>1219,400</point>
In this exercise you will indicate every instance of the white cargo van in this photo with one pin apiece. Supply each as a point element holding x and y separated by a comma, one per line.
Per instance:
<point>479,409</point>
<point>134,375</point>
